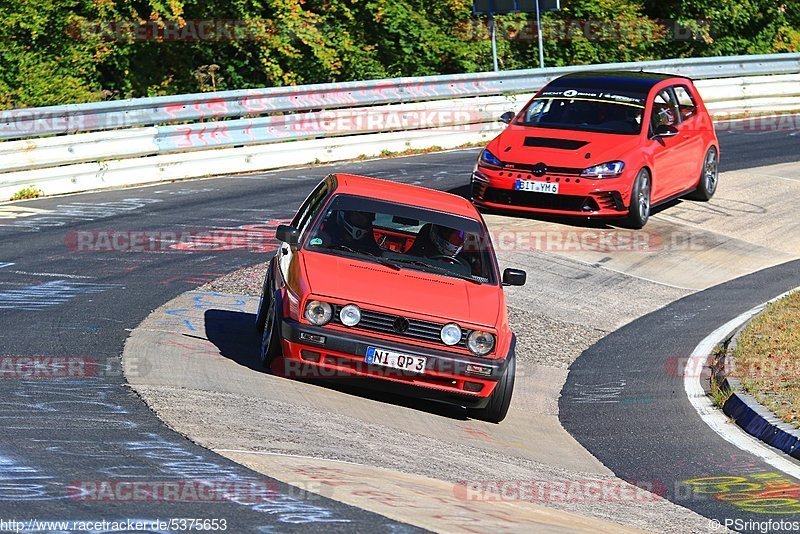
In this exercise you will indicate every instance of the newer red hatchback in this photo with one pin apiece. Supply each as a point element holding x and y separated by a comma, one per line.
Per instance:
<point>602,144</point>
<point>396,284</point>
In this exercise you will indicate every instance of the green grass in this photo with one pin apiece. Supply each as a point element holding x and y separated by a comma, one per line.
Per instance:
<point>28,192</point>
<point>767,358</point>
<point>718,392</point>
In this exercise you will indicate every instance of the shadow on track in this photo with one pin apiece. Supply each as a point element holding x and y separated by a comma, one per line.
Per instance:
<point>237,339</point>
<point>578,221</point>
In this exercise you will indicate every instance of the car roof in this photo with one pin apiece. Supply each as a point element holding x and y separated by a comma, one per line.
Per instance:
<point>422,197</point>
<point>625,81</point>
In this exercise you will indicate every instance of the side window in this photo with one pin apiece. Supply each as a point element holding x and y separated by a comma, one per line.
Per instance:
<point>536,110</point>
<point>686,103</point>
<point>665,111</point>
<point>310,207</point>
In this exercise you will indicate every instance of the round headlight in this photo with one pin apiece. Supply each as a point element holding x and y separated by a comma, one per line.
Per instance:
<point>481,343</point>
<point>451,334</point>
<point>350,315</point>
<point>319,313</point>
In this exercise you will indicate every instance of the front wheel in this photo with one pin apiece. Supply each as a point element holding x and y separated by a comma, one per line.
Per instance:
<point>500,400</point>
<point>709,177</point>
<point>639,211</point>
<point>263,302</point>
<point>271,337</point>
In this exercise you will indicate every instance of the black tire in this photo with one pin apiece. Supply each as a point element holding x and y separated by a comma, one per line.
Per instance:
<point>264,301</point>
<point>709,177</point>
<point>271,336</point>
<point>639,211</point>
<point>500,400</point>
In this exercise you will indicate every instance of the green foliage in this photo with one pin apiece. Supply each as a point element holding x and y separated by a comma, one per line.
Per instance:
<point>63,51</point>
<point>27,192</point>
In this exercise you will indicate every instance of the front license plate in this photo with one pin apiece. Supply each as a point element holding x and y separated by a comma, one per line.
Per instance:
<point>395,360</point>
<point>536,187</point>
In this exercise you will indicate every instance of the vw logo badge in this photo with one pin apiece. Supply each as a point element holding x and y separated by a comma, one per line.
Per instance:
<point>400,325</point>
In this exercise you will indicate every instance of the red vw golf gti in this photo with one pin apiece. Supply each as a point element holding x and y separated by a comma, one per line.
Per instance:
<point>396,284</point>
<point>602,144</point>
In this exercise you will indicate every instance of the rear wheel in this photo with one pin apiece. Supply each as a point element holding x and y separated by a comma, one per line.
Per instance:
<point>709,177</point>
<point>500,399</point>
<point>639,211</point>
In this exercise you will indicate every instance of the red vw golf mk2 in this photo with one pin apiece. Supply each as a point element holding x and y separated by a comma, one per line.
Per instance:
<point>395,284</point>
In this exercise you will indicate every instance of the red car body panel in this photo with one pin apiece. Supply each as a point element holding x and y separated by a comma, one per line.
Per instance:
<point>301,275</point>
<point>675,162</point>
<point>450,299</point>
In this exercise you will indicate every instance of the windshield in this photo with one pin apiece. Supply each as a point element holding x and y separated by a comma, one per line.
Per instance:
<point>584,114</point>
<point>405,237</point>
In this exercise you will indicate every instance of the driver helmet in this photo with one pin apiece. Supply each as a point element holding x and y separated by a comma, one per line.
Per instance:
<point>447,241</point>
<point>357,224</point>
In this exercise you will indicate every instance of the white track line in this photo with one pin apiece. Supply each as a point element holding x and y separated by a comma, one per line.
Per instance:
<point>55,275</point>
<point>286,455</point>
<point>713,416</point>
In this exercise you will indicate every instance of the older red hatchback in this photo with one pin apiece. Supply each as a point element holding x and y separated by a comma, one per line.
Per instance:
<point>396,284</point>
<point>602,144</point>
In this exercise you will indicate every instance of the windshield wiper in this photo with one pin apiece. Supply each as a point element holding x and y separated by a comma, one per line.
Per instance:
<point>377,259</point>
<point>443,270</point>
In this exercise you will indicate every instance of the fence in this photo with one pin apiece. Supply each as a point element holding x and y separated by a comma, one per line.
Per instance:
<point>63,149</point>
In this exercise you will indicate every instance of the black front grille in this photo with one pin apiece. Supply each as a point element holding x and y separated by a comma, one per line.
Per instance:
<point>478,189</point>
<point>531,167</point>
<point>546,201</point>
<point>611,200</point>
<point>385,323</point>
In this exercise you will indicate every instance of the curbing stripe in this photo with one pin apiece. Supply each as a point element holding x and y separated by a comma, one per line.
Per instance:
<point>755,418</point>
<point>758,421</point>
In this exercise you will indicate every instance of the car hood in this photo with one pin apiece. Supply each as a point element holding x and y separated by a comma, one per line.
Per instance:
<point>406,290</point>
<point>565,148</point>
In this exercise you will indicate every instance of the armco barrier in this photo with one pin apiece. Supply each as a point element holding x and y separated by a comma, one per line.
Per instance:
<point>78,147</point>
<point>36,122</point>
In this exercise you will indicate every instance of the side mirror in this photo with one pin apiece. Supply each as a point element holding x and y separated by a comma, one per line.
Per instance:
<point>287,234</point>
<point>507,117</point>
<point>665,130</point>
<point>514,277</point>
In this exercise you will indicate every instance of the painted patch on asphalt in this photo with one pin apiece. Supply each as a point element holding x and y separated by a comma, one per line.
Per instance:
<point>41,296</point>
<point>66,213</point>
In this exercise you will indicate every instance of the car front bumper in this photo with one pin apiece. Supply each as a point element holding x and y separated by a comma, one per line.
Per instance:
<point>342,355</point>
<point>582,197</point>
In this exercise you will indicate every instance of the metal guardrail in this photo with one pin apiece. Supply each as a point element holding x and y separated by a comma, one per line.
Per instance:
<point>239,131</point>
<point>37,122</point>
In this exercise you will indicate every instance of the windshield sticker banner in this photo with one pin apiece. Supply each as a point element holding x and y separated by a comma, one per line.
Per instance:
<point>593,95</point>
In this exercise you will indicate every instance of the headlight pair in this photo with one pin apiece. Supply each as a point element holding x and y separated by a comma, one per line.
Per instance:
<point>479,342</point>
<point>320,313</point>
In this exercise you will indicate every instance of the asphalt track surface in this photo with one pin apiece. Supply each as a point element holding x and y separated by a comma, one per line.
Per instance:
<point>629,408</point>
<point>65,433</point>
